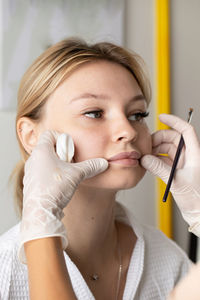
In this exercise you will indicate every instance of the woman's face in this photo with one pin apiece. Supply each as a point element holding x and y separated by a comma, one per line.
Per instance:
<point>101,106</point>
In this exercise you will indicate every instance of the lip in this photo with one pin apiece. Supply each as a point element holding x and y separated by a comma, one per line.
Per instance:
<point>133,155</point>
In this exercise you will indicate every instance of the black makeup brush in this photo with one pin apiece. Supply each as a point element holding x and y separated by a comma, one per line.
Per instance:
<point>178,153</point>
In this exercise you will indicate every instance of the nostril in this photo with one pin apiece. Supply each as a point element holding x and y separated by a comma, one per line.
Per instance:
<point>128,137</point>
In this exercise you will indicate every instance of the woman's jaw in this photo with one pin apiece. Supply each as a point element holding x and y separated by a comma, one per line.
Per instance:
<point>120,175</point>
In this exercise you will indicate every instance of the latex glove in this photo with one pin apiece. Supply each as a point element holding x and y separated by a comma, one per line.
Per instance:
<point>185,187</point>
<point>49,184</point>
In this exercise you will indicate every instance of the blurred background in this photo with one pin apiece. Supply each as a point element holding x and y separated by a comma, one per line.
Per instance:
<point>28,27</point>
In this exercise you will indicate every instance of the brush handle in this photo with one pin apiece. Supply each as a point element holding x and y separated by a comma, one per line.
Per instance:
<point>176,159</point>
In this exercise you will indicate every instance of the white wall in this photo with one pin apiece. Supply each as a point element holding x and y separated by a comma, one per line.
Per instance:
<point>185,75</point>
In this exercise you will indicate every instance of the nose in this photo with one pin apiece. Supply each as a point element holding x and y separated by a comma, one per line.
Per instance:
<point>123,130</point>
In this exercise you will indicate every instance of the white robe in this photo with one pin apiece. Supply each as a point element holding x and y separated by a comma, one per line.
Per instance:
<point>156,265</point>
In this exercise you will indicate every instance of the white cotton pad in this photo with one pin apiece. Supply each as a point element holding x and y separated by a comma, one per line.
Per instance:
<point>65,147</point>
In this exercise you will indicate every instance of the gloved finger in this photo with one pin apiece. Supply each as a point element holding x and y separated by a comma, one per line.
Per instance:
<point>156,166</point>
<point>91,167</point>
<point>169,161</point>
<point>44,149</point>
<point>165,136</point>
<point>61,143</point>
<point>46,141</point>
<point>170,150</point>
<point>165,148</point>
<point>183,128</point>
<point>48,138</point>
<point>166,160</point>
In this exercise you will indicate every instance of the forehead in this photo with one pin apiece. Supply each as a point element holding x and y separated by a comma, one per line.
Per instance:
<point>98,76</point>
<point>101,81</point>
<point>98,67</point>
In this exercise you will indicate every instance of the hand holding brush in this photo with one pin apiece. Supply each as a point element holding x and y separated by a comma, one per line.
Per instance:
<point>185,183</point>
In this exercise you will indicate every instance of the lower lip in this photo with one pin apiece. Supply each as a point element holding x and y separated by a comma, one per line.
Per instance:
<point>125,162</point>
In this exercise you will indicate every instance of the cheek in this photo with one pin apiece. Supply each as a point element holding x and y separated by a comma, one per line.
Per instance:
<point>88,141</point>
<point>148,144</point>
<point>88,144</point>
<point>145,141</point>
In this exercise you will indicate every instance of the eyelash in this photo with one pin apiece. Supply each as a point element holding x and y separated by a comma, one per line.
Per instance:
<point>139,115</point>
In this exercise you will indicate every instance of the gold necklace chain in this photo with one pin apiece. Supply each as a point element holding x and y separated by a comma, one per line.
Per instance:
<point>120,266</point>
<point>95,276</point>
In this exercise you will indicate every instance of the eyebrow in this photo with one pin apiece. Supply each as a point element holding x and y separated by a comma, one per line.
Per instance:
<point>103,97</point>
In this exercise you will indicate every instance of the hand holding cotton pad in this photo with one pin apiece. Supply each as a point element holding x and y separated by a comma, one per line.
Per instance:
<point>50,181</point>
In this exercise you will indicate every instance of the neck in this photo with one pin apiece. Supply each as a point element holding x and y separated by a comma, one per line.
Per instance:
<point>90,224</point>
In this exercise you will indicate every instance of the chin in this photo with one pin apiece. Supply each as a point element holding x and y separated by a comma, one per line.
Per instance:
<point>118,179</point>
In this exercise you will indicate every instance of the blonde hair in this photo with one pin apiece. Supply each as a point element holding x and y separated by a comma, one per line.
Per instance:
<point>50,69</point>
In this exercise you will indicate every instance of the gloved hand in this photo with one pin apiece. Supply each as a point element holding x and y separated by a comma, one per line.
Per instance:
<point>185,187</point>
<point>49,184</point>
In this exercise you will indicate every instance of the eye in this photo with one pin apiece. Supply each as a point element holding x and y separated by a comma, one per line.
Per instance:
<point>95,114</point>
<point>138,116</point>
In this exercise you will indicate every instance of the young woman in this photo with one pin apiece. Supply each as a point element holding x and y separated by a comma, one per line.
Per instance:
<point>98,96</point>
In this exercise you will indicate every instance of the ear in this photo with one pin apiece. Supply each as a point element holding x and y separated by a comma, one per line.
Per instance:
<point>28,133</point>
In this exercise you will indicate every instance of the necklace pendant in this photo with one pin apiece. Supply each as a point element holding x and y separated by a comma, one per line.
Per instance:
<point>94,277</point>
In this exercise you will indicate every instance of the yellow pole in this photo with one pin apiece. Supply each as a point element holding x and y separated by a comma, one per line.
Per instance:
<point>162,99</point>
